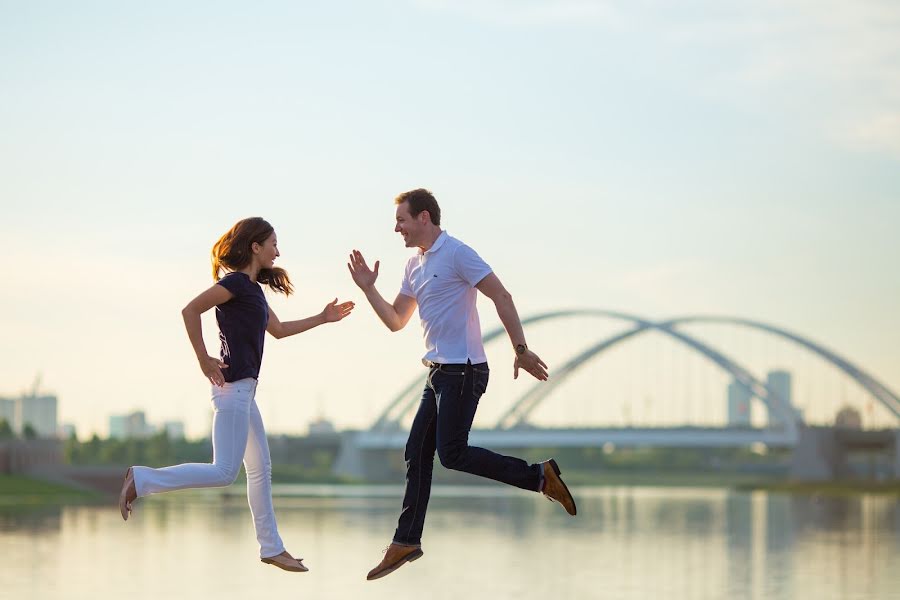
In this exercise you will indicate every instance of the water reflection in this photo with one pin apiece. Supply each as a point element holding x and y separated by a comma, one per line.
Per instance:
<point>485,543</point>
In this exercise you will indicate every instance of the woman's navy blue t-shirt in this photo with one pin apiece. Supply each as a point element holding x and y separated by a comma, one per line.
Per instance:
<point>242,327</point>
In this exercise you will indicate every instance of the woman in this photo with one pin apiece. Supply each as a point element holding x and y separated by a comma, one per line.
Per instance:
<point>246,253</point>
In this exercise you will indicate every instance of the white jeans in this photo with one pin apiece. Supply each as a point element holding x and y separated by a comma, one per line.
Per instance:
<point>237,433</point>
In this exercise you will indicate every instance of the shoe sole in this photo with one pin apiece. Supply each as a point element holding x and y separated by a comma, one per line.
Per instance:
<point>412,556</point>
<point>556,470</point>
<point>284,567</point>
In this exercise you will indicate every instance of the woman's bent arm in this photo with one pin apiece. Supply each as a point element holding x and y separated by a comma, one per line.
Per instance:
<point>211,367</point>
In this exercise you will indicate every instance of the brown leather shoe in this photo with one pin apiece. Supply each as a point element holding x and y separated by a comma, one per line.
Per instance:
<point>395,556</point>
<point>555,489</point>
<point>287,562</point>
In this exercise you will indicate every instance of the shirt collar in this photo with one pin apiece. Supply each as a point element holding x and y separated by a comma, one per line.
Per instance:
<point>436,245</point>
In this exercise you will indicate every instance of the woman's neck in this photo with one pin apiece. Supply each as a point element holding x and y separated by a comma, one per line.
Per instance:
<point>251,271</point>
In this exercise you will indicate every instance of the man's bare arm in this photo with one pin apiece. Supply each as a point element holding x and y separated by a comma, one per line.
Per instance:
<point>491,287</point>
<point>395,316</point>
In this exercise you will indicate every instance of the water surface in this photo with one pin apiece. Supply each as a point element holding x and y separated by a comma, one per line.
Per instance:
<point>483,542</point>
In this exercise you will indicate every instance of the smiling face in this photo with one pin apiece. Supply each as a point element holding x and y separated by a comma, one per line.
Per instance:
<point>413,229</point>
<point>267,252</point>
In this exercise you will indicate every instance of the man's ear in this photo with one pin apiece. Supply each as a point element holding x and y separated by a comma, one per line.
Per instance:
<point>425,217</point>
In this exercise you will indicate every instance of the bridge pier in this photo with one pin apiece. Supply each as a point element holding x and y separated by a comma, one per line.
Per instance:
<point>818,456</point>
<point>822,452</point>
<point>897,455</point>
<point>358,462</point>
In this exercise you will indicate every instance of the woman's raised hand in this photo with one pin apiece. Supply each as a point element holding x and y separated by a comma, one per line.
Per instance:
<point>335,312</point>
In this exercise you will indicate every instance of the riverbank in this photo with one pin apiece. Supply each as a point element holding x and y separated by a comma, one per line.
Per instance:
<point>826,488</point>
<point>19,490</point>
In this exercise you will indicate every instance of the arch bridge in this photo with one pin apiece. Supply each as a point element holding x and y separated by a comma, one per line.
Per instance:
<point>512,429</point>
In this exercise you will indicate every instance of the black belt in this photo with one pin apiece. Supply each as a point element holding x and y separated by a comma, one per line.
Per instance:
<point>459,367</point>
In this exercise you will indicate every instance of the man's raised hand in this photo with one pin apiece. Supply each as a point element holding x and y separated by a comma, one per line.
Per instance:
<point>363,276</point>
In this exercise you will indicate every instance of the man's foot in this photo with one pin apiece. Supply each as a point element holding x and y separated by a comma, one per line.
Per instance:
<point>555,489</point>
<point>287,562</point>
<point>395,556</point>
<point>128,494</point>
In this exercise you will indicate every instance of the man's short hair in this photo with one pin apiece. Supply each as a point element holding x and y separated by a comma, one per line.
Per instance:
<point>421,199</point>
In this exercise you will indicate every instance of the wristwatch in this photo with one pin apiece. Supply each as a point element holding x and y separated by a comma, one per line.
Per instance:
<point>520,349</point>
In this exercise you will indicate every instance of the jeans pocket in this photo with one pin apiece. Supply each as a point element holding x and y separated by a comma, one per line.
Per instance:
<point>479,385</point>
<point>232,396</point>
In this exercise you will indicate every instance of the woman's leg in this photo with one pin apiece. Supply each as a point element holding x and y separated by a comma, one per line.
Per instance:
<point>229,437</point>
<point>258,465</point>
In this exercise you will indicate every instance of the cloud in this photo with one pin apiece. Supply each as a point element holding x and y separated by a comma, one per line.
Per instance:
<point>879,133</point>
<point>833,64</point>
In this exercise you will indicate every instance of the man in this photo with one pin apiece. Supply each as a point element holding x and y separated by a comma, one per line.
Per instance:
<point>442,279</point>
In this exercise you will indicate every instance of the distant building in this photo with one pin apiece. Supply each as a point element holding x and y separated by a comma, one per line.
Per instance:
<point>66,430</point>
<point>848,418</point>
<point>39,412</point>
<point>8,411</point>
<point>174,430</point>
<point>780,383</point>
<point>132,425</point>
<point>739,398</point>
<point>321,426</point>
<point>118,427</point>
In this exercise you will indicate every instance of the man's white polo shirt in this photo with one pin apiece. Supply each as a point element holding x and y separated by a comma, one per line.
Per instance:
<point>442,281</point>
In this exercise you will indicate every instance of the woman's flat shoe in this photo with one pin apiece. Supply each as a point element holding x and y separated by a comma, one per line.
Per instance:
<point>124,503</point>
<point>286,562</point>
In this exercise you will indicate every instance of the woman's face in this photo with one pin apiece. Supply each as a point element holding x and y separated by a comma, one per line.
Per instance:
<point>268,252</point>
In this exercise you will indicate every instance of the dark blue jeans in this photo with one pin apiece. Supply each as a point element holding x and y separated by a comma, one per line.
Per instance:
<point>442,424</point>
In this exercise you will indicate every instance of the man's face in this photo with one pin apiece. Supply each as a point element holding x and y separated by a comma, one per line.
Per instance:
<point>410,227</point>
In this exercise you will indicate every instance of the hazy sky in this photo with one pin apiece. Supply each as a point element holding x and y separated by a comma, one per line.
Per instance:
<point>738,158</point>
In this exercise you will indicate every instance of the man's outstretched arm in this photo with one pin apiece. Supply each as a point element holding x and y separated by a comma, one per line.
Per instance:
<point>395,316</point>
<point>491,287</point>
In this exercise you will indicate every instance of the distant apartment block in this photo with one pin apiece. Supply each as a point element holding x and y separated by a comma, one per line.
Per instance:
<point>8,411</point>
<point>39,411</point>
<point>780,383</point>
<point>174,429</point>
<point>739,399</point>
<point>132,425</point>
<point>135,425</point>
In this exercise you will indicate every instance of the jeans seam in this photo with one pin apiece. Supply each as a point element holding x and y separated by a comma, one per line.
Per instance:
<point>457,416</point>
<point>419,475</point>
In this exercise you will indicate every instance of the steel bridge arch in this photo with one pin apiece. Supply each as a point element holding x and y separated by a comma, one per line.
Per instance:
<point>880,391</point>
<point>517,414</point>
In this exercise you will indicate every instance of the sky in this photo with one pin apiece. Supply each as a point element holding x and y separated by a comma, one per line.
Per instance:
<point>734,158</point>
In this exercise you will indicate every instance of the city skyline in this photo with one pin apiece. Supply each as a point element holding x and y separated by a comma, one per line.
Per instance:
<point>742,409</point>
<point>727,160</point>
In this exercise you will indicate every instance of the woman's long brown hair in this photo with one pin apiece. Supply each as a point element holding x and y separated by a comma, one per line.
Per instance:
<point>234,251</point>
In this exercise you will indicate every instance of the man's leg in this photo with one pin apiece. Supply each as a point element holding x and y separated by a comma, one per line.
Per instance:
<point>419,458</point>
<point>458,391</point>
<point>406,545</point>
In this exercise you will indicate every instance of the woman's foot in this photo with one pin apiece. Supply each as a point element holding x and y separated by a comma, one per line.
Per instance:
<point>127,495</point>
<point>287,562</point>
